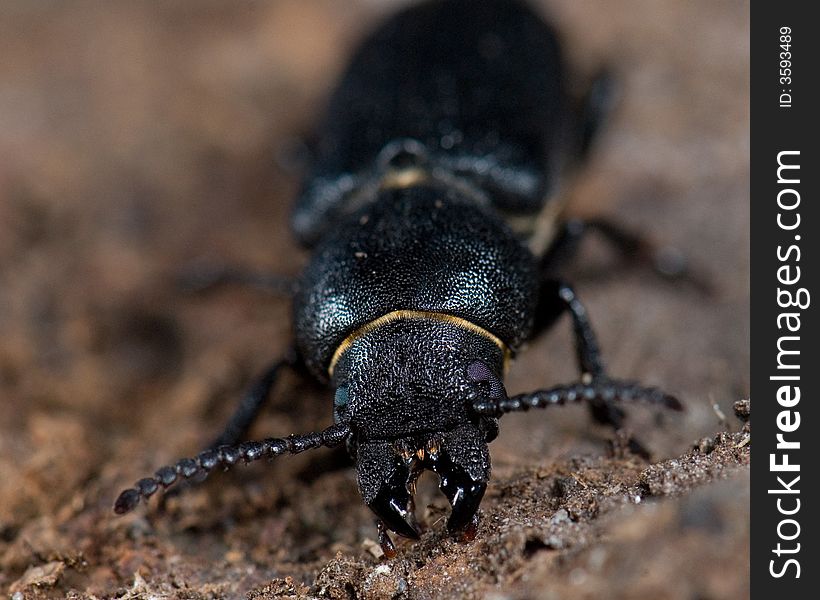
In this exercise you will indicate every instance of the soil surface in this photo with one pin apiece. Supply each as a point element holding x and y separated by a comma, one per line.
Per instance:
<point>139,137</point>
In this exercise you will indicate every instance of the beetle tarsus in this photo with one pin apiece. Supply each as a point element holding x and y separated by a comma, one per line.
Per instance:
<point>624,443</point>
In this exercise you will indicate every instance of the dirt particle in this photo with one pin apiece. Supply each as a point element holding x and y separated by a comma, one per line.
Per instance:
<point>706,445</point>
<point>42,577</point>
<point>279,588</point>
<point>743,409</point>
<point>560,517</point>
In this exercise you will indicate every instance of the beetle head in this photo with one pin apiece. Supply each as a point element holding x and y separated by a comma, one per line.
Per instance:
<point>405,389</point>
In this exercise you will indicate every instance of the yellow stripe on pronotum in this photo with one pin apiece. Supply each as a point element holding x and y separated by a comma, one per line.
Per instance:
<point>397,315</point>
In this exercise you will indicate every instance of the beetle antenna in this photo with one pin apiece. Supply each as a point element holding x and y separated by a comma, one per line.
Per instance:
<point>226,457</point>
<point>605,389</point>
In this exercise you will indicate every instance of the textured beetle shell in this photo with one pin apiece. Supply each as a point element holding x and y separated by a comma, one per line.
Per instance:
<point>421,248</point>
<point>476,84</point>
<point>408,378</point>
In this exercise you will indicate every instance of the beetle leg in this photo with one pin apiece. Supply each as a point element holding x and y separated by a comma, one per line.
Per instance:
<point>252,402</point>
<point>593,110</point>
<point>599,391</point>
<point>635,249</point>
<point>243,417</point>
<point>557,297</point>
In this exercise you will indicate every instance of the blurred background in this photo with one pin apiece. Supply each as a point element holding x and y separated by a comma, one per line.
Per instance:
<point>136,137</point>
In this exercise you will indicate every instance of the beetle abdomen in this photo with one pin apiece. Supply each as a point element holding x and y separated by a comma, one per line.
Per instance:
<point>416,249</point>
<point>473,88</point>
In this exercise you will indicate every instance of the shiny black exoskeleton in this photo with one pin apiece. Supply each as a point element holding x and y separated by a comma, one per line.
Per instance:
<point>435,232</point>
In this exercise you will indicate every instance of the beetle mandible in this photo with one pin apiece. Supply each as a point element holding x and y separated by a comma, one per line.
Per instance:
<point>435,229</point>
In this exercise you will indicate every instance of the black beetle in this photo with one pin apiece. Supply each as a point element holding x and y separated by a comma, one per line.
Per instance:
<point>435,233</point>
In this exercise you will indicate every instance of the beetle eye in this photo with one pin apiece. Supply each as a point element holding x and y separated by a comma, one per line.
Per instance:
<point>482,374</point>
<point>340,401</point>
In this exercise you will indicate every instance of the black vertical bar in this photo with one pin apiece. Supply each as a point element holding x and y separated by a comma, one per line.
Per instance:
<point>784,200</point>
